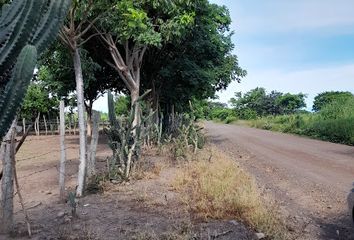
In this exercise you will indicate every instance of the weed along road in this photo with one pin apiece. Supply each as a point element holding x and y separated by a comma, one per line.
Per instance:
<point>308,179</point>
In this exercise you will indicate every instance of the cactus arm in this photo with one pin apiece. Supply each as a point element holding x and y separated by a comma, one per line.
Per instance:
<point>11,98</point>
<point>50,23</point>
<point>8,14</point>
<point>24,24</point>
<point>4,10</point>
<point>111,111</point>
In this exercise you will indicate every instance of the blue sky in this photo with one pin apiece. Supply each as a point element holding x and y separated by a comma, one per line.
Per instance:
<point>293,46</point>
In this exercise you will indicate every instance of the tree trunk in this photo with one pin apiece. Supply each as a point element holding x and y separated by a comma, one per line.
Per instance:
<point>45,125</point>
<point>134,104</point>
<point>82,127</point>
<point>36,124</point>
<point>91,164</point>
<point>58,125</point>
<point>24,125</point>
<point>62,153</point>
<point>7,187</point>
<point>89,118</point>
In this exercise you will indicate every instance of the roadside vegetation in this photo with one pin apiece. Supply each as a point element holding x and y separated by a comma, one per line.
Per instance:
<point>215,187</point>
<point>332,118</point>
<point>334,123</point>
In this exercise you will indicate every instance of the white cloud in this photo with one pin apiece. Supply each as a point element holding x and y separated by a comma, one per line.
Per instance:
<point>311,82</point>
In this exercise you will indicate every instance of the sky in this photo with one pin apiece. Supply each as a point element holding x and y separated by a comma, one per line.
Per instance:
<point>293,46</point>
<point>290,46</point>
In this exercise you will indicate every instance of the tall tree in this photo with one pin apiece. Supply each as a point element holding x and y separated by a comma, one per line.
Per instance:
<point>254,100</point>
<point>38,101</point>
<point>195,65</point>
<point>81,18</point>
<point>261,103</point>
<point>135,25</point>
<point>291,103</point>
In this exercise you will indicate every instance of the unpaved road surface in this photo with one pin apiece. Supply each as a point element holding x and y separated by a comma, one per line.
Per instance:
<point>308,179</point>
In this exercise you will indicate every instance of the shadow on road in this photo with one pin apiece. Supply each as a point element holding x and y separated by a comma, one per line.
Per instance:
<point>336,227</point>
<point>217,139</point>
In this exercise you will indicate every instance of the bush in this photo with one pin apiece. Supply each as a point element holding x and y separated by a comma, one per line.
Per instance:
<point>247,114</point>
<point>335,123</point>
<point>222,113</point>
<point>230,119</point>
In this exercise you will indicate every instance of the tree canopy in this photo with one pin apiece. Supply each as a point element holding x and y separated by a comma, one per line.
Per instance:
<point>38,100</point>
<point>260,103</point>
<point>195,65</point>
<point>326,98</point>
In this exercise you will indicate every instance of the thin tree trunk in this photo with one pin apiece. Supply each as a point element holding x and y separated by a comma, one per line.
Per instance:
<point>89,118</point>
<point>7,184</point>
<point>24,125</point>
<point>70,124</point>
<point>62,153</point>
<point>91,164</point>
<point>38,125</point>
<point>45,125</point>
<point>82,127</point>
<point>134,98</point>
<point>25,213</point>
<point>74,126</point>
<point>58,125</point>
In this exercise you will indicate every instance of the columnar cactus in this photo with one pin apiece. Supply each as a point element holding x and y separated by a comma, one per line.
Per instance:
<point>27,27</point>
<point>125,139</point>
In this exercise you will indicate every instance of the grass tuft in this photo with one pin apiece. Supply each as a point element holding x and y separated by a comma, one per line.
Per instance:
<point>217,188</point>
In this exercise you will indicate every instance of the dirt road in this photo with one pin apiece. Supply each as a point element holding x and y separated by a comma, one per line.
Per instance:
<point>309,179</point>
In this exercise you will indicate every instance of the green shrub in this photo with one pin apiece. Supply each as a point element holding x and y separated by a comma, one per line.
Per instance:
<point>247,114</point>
<point>335,123</point>
<point>230,119</point>
<point>223,113</point>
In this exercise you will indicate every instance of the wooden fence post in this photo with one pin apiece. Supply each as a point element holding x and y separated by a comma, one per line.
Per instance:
<point>7,184</point>
<point>91,164</point>
<point>62,153</point>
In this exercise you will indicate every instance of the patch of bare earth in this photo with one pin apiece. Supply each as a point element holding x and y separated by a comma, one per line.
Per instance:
<point>145,208</point>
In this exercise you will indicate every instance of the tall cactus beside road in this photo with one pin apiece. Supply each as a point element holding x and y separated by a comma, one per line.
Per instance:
<point>27,27</point>
<point>125,138</point>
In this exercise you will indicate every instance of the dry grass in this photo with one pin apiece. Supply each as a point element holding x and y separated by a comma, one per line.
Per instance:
<point>177,232</point>
<point>147,169</point>
<point>69,233</point>
<point>216,187</point>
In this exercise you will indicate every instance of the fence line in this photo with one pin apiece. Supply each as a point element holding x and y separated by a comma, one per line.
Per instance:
<point>44,154</point>
<point>53,126</point>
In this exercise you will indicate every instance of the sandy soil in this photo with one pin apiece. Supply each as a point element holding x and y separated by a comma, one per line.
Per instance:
<point>147,208</point>
<point>309,179</point>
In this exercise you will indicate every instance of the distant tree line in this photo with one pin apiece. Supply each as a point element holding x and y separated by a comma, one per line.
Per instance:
<point>258,103</point>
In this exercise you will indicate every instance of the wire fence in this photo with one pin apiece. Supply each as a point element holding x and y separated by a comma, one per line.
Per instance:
<point>51,127</point>
<point>4,182</point>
